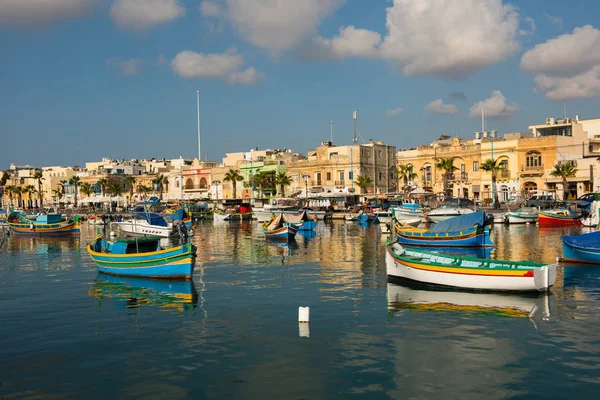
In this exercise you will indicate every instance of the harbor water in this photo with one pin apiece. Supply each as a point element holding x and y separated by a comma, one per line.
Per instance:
<point>67,331</point>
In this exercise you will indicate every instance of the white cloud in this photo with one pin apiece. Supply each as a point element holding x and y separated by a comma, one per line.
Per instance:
<point>583,85</point>
<point>532,26</point>
<point>566,66</point>
<point>212,9</point>
<point>144,14</point>
<point>394,112</point>
<point>20,13</point>
<point>439,37</point>
<point>438,107</point>
<point>350,42</point>
<point>278,25</point>
<point>129,67</point>
<point>494,107</point>
<point>225,66</point>
<point>247,77</point>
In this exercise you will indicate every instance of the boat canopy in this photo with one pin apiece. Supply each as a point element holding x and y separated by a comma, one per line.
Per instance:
<point>153,219</point>
<point>588,241</point>
<point>460,223</point>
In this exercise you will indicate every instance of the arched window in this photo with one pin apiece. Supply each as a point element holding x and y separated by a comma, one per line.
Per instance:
<point>529,188</point>
<point>533,159</point>
<point>203,183</point>
<point>189,183</point>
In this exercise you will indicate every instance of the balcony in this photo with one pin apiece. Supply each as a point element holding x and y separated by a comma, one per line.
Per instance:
<point>503,175</point>
<point>340,183</point>
<point>195,188</point>
<point>532,169</point>
<point>463,176</point>
<point>316,183</point>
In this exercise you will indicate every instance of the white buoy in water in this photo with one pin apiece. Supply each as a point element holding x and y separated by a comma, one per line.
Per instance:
<point>303,314</point>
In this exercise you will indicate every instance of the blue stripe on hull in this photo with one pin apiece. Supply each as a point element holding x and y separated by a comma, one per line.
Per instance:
<point>586,256</point>
<point>307,226</point>
<point>42,233</point>
<point>157,271</point>
<point>142,256</point>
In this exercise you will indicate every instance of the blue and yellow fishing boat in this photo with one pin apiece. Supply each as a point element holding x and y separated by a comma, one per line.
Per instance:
<point>278,229</point>
<point>143,257</point>
<point>42,225</point>
<point>470,230</point>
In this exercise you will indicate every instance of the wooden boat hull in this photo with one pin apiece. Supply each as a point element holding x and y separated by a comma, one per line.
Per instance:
<point>515,218</point>
<point>573,254</point>
<point>283,233</point>
<point>475,237</point>
<point>172,263</point>
<point>36,229</point>
<point>306,226</point>
<point>493,275</point>
<point>553,219</point>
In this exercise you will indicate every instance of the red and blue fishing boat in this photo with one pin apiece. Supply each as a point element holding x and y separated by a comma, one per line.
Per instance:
<point>143,257</point>
<point>278,229</point>
<point>470,230</point>
<point>467,272</point>
<point>582,248</point>
<point>558,217</point>
<point>42,225</point>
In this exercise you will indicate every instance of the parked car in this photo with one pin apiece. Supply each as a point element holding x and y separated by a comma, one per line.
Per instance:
<point>583,202</point>
<point>542,201</point>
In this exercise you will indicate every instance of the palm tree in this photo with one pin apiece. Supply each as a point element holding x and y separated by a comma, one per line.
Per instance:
<point>130,180</point>
<point>259,179</point>
<point>29,189</point>
<point>144,189</point>
<point>18,190</point>
<point>447,165</point>
<point>493,166</point>
<point>363,182</point>
<point>75,181</point>
<point>282,180</point>
<point>39,177</point>
<point>58,192</point>
<point>160,181</point>
<point>10,189</point>
<point>405,172</point>
<point>87,188</point>
<point>103,183</point>
<point>114,188</point>
<point>233,176</point>
<point>4,178</point>
<point>564,172</point>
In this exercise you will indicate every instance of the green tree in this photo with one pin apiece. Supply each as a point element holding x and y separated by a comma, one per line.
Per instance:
<point>76,182</point>
<point>234,177</point>
<point>10,189</point>
<point>114,188</point>
<point>564,172</point>
<point>363,182</point>
<point>130,181</point>
<point>144,189</point>
<point>447,165</point>
<point>39,177</point>
<point>103,183</point>
<point>160,181</point>
<point>18,190</point>
<point>86,188</point>
<point>493,166</point>
<point>282,180</point>
<point>29,190</point>
<point>406,173</point>
<point>259,179</point>
<point>4,178</point>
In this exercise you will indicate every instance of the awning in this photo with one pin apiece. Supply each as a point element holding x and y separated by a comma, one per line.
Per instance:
<point>475,189</point>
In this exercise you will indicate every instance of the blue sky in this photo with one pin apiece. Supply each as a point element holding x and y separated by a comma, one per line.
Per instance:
<point>85,79</point>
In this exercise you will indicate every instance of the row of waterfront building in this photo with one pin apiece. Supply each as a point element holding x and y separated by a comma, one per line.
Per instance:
<point>374,168</point>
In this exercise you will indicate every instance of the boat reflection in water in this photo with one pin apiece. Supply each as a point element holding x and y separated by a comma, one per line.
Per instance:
<point>415,297</point>
<point>479,252</point>
<point>136,292</point>
<point>43,245</point>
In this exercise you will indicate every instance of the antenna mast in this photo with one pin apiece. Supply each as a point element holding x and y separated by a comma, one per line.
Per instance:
<point>331,131</point>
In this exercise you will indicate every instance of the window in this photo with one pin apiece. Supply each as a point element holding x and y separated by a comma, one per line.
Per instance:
<point>381,176</point>
<point>475,166</point>
<point>329,176</point>
<point>533,159</point>
<point>504,165</point>
<point>342,176</point>
<point>380,154</point>
<point>462,168</point>
<point>350,175</point>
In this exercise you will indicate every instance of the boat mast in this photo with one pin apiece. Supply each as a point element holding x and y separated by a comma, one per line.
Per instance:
<point>198,107</point>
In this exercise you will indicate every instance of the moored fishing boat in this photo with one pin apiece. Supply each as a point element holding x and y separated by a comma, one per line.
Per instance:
<point>143,257</point>
<point>522,216</point>
<point>467,272</point>
<point>471,230</point>
<point>43,225</point>
<point>220,215</point>
<point>558,217</point>
<point>278,229</point>
<point>301,220</point>
<point>582,248</point>
<point>451,207</point>
<point>149,224</point>
<point>95,220</point>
